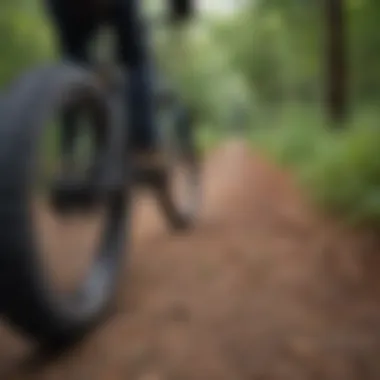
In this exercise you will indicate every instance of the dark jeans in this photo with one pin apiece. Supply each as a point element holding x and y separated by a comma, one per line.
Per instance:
<point>76,23</point>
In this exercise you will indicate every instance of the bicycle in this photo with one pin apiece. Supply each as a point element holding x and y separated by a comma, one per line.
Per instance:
<point>29,299</point>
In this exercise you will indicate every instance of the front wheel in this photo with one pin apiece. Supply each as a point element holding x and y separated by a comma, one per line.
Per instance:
<point>30,298</point>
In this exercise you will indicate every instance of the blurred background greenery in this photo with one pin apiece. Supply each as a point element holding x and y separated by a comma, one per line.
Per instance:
<point>259,70</point>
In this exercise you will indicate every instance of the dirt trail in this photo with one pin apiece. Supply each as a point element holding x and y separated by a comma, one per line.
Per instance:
<point>261,289</point>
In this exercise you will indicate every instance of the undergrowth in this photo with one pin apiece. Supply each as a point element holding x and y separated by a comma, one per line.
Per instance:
<point>340,169</point>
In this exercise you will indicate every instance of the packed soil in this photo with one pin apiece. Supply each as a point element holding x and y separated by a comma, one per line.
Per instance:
<point>262,288</point>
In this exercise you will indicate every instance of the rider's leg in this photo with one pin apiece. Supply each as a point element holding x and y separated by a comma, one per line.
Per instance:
<point>74,30</point>
<point>135,54</point>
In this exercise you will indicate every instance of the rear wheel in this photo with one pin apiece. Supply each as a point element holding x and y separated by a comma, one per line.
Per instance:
<point>179,193</point>
<point>33,300</point>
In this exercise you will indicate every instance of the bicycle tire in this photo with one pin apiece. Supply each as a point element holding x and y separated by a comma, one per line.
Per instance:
<point>180,145</point>
<point>27,300</point>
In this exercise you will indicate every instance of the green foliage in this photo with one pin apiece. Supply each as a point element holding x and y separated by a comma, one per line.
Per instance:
<point>202,69</point>
<point>264,61</point>
<point>339,169</point>
<point>346,177</point>
<point>25,38</point>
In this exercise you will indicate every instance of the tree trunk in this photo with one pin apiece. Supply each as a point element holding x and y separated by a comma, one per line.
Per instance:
<point>336,62</point>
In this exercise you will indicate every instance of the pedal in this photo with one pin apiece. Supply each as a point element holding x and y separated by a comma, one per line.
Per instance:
<point>67,196</point>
